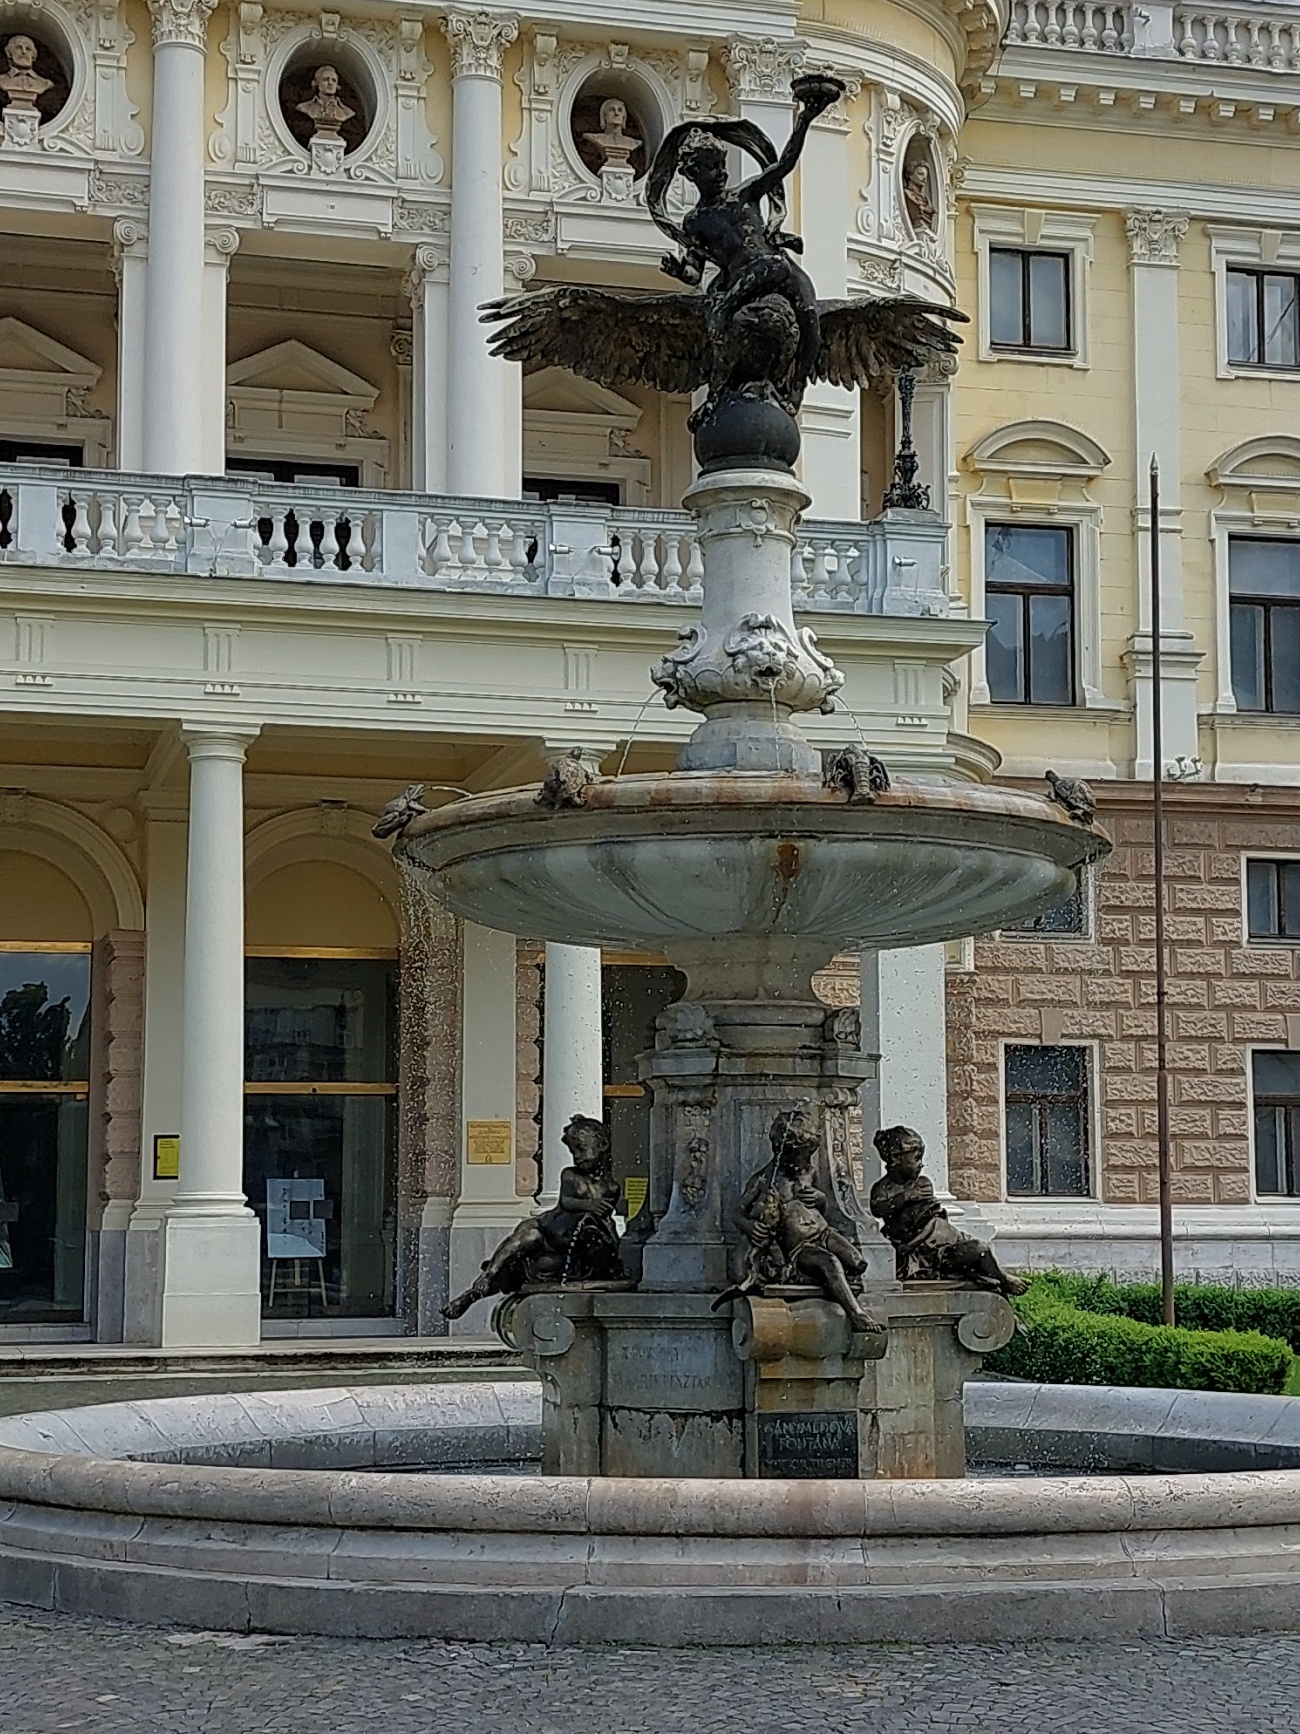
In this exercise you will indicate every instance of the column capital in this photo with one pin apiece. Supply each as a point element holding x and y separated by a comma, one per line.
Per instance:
<point>760,69</point>
<point>1154,235</point>
<point>429,264</point>
<point>181,21</point>
<point>220,246</point>
<point>203,741</point>
<point>478,41</point>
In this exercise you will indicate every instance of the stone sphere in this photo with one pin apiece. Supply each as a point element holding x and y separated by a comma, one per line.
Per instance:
<point>747,433</point>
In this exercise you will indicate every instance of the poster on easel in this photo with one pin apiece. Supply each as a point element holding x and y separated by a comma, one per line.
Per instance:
<point>296,1214</point>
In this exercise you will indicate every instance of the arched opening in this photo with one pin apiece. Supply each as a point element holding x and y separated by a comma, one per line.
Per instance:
<point>320,1121</point>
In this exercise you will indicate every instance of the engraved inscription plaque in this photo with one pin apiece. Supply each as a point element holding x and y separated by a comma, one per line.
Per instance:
<point>808,1445</point>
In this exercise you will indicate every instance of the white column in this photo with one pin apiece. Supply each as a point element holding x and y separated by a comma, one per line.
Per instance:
<point>429,286</point>
<point>211,1290</point>
<point>130,261</point>
<point>573,1061</point>
<point>1154,239</point>
<point>220,246</point>
<point>173,418</point>
<point>831,422</point>
<point>488,1206</point>
<point>478,453</point>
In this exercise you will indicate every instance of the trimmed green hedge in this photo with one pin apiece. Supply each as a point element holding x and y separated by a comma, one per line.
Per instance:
<point>1198,1306</point>
<point>1064,1344</point>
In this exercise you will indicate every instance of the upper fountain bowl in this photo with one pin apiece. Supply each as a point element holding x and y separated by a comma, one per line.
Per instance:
<point>696,862</point>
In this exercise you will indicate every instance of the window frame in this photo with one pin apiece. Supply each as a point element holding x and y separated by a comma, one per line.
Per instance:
<point>1248,249</point>
<point>1035,231</point>
<point>1028,936</point>
<point>1089,1119</point>
<point>1026,345</point>
<point>1268,604</point>
<point>1026,591</point>
<point>1259,272</point>
<point>1272,942</point>
<point>1264,1198</point>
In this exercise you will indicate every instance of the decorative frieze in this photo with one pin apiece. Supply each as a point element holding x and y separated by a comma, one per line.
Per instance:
<point>1154,235</point>
<point>478,42</point>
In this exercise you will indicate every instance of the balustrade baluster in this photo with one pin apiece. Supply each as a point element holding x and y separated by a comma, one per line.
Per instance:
<point>694,567</point>
<point>439,557</point>
<point>1088,35</point>
<point>1187,44</point>
<point>648,573</point>
<point>173,525</point>
<point>1052,25</point>
<point>106,532</point>
<point>1109,34</point>
<point>79,529</point>
<point>132,534</point>
<point>278,546</point>
<point>671,571</point>
<point>492,558</point>
<point>1033,29</point>
<point>1070,25</point>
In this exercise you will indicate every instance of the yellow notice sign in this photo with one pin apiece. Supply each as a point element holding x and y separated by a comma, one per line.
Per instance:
<point>634,1190</point>
<point>489,1143</point>
<point>167,1158</point>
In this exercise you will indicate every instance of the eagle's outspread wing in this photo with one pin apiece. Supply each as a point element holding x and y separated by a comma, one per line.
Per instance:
<point>655,340</point>
<point>869,343</point>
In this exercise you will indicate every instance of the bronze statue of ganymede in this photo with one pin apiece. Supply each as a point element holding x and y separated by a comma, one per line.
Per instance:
<point>925,1242</point>
<point>576,1241</point>
<point>750,327</point>
<point>782,1214</point>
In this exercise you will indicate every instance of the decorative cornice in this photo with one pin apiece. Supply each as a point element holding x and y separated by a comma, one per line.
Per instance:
<point>478,41</point>
<point>760,71</point>
<point>1153,236</point>
<point>181,21</point>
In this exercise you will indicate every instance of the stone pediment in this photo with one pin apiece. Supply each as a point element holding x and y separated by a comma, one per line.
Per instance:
<point>1270,462</point>
<point>1038,448</point>
<point>28,357</point>
<point>554,391</point>
<point>292,368</point>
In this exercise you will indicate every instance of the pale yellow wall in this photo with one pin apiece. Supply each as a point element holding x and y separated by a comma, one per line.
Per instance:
<point>139,62</point>
<point>321,903</point>
<point>895,26</point>
<point>83,320</point>
<point>39,903</point>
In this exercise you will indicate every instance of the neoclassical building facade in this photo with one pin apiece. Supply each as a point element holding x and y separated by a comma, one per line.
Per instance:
<point>278,536</point>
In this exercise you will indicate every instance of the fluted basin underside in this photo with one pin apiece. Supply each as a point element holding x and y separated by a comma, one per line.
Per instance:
<point>663,863</point>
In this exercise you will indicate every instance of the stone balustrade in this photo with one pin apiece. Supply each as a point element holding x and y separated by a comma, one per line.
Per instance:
<point>232,528</point>
<point>1249,36</point>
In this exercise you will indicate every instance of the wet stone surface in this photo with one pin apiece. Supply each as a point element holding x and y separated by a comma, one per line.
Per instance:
<point>62,1673</point>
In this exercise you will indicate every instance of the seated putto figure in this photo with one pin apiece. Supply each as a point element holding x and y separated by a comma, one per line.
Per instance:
<point>926,1245</point>
<point>574,1242</point>
<point>782,1215</point>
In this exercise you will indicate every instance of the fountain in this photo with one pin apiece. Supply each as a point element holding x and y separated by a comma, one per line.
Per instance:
<point>727,1343</point>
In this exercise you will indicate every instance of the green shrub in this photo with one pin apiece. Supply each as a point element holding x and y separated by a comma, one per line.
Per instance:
<point>1197,1306</point>
<point>1066,1343</point>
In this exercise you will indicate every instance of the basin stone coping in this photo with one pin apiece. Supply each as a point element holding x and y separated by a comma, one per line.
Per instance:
<point>1106,1426</point>
<point>127,1458</point>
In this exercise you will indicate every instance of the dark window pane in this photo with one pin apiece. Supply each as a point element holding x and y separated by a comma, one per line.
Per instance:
<point>1246,630</point>
<point>1262,914</point>
<point>1067,917</point>
<point>44,1016</point>
<point>1270,1136</point>
<point>1050,656</point>
<point>1028,554</point>
<point>1288,875</point>
<point>1277,1074</point>
<point>1005,649</point>
<point>1243,331</point>
<point>1006,298</point>
<point>1022,1177</point>
<point>1066,1172</point>
<point>1279,320</point>
<point>1264,567</point>
<point>1284,659</point>
<point>319,1020</point>
<point>1048,321</point>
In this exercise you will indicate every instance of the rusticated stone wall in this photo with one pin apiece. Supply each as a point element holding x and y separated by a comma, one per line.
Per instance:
<point>115,1097</point>
<point>1224,998</point>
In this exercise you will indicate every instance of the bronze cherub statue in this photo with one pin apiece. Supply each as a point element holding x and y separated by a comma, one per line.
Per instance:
<point>576,1241</point>
<point>925,1242</point>
<point>750,327</point>
<point>782,1214</point>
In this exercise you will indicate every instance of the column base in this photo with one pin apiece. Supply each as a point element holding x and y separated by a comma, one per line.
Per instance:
<point>211,1282</point>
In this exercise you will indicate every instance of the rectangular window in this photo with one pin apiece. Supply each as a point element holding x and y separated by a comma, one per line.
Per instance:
<point>1276,1078</point>
<point>1068,918</point>
<point>1273,899</point>
<point>1029,599</point>
<point>1263,319</point>
<point>1264,623</point>
<point>1047,1122</point>
<point>1029,299</point>
<point>320,1132</point>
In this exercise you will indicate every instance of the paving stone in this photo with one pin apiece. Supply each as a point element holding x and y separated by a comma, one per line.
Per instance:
<point>64,1673</point>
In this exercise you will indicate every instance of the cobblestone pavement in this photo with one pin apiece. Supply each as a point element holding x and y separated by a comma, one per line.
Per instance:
<point>58,1673</point>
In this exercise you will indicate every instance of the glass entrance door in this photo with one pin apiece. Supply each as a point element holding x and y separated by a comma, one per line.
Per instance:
<point>44,1088</point>
<point>320,1133</point>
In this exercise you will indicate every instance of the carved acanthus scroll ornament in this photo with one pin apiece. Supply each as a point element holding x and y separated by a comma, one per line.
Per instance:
<point>478,41</point>
<point>181,21</point>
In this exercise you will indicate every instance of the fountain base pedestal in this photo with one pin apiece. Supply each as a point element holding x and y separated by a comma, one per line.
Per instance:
<point>658,1384</point>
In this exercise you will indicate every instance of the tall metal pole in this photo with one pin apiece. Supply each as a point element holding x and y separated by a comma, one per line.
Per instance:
<point>1158,819</point>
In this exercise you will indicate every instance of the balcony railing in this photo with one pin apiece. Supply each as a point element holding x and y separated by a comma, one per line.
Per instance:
<point>228,528</point>
<point>1255,36</point>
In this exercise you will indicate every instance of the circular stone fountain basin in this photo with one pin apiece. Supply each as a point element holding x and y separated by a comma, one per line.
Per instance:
<point>661,861</point>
